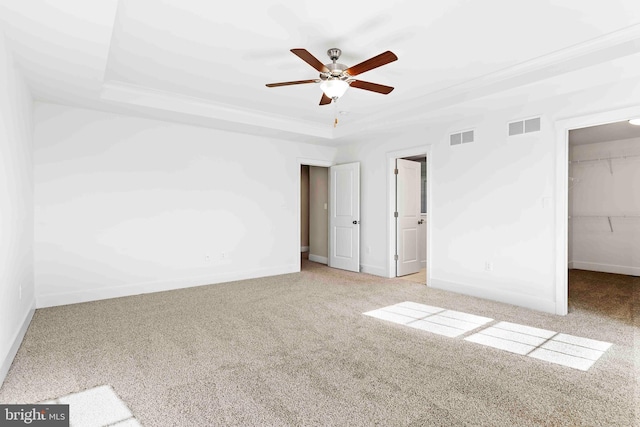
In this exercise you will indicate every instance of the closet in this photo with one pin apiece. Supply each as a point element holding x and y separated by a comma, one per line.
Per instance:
<point>604,199</point>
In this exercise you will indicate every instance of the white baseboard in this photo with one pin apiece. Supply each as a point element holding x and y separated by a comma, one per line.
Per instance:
<point>605,268</point>
<point>374,270</point>
<point>304,248</point>
<point>500,295</point>
<point>571,267</point>
<point>317,258</point>
<point>17,340</point>
<point>51,300</point>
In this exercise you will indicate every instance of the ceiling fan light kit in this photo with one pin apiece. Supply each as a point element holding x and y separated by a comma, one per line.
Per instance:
<point>334,88</point>
<point>336,78</point>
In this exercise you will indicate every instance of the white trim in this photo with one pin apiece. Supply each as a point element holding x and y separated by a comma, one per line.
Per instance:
<point>391,200</point>
<point>15,346</point>
<point>500,295</point>
<point>561,220</point>
<point>304,249</point>
<point>131,94</point>
<point>563,126</point>
<point>317,258</point>
<point>51,300</point>
<point>315,162</point>
<point>374,270</point>
<point>606,268</point>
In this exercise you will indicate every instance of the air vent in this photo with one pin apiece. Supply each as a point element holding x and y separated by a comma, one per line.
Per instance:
<point>524,126</point>
<point>461,138</point>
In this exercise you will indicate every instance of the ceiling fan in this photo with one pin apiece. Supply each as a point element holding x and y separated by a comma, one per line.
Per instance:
<point>336,78</point>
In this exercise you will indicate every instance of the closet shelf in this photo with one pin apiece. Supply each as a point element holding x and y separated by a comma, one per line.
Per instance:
<point>606,159</point>
<point>604,216</point>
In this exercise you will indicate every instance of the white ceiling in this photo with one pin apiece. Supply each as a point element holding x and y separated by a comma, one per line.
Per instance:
<point>604,133</point>
<point>200,62</point>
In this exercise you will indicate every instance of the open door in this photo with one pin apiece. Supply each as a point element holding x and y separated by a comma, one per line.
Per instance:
<point>408,217</point>
<point>344,217</point>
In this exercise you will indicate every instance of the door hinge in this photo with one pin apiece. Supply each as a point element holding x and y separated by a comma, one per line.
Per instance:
<point>395,171</point>
<point>395,257</point>
<point>395,214</point>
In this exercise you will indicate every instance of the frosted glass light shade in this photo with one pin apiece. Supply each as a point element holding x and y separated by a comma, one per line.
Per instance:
<point>334,88</point>
<point>635,122</point>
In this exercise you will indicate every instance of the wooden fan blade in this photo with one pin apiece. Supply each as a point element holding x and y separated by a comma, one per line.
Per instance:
<point>325,99</point>
<point>370,64</point>
<point>373,87</point>
<point>297,82</point>
<point>310,59</point>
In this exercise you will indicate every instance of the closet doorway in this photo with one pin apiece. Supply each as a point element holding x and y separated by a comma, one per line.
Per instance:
<point>604,218</point>
<point>409,199</point>
<point>314,199</point>
<point>411,221</point>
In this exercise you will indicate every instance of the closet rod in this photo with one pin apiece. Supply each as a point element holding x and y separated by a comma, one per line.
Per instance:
<point>604,158</point>
<point>604,216</point>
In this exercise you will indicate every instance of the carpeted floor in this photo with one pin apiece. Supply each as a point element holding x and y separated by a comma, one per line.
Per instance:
<point>296,350</point>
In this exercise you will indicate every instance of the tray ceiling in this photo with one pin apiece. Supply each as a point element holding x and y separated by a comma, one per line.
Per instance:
<point>195,62</point>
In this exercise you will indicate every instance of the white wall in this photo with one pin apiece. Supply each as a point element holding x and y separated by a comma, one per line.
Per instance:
<point>491,201</point>
<point>304,208</point>
<point>126,205</point>
<point>597,191</point>
<point>17,301</point>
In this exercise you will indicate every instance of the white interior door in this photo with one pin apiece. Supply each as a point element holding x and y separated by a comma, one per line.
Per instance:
<point>344,216</point>
<point>407,222</point>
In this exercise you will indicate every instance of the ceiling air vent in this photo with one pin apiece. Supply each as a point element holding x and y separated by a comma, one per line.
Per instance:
<point>461,138</point>
<point>524,126</point>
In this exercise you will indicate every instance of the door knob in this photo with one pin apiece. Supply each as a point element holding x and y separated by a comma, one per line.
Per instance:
<point>421,221</point>
<point>356,222</point>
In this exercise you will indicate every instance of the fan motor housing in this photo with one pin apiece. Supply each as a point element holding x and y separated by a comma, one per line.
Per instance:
<point>335,71</point>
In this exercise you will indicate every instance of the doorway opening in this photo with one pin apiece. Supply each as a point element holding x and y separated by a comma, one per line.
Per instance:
<point>409,205</point>
<point>314,229</point>
<point>334,197</point>
<point>604,218</point>
<point>566,183</point>
<point>411,222</point>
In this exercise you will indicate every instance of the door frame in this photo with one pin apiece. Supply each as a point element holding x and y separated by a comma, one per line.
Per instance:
<point>308,162</point>
<point>562,127</point>
<point>423,150</point>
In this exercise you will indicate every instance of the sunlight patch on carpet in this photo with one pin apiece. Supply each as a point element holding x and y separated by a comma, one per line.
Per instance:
<point>542,344</point>
<point>436,320</point>
<point>99,406</point>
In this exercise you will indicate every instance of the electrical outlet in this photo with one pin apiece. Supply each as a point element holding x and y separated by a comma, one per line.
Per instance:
<point>488,266</point>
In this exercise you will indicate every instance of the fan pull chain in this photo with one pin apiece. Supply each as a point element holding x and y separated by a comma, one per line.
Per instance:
<point>335,113</point>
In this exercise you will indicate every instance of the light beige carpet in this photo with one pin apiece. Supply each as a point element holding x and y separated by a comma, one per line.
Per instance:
<point>296,350</point>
